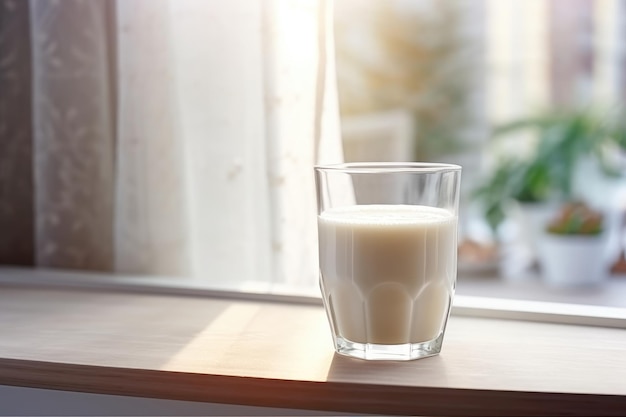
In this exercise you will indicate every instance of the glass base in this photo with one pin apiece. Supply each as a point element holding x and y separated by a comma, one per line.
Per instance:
<point>403,352</point>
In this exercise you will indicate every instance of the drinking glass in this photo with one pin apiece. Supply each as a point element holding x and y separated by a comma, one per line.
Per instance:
<point>388,255</point>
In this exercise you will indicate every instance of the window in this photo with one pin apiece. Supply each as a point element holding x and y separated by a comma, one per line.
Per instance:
<point>526,95</point>
<point>175,139</point>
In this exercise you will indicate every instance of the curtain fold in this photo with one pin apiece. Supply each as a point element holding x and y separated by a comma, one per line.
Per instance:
<point>151,230</point>
<point>219,98</point>
<point>301,125</point>
<point>16,166</point>
<point>178,137</point>
<point>73,139</point>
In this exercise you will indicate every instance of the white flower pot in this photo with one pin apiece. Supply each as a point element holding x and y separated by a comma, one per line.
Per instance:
<point>530,220</point>
<point>573,260</point>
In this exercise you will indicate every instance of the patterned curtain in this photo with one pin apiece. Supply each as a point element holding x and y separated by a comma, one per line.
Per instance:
<point>169,137</point>
<point>73,142</point>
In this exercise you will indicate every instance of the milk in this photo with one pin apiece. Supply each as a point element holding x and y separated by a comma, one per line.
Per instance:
<point>387,271</point>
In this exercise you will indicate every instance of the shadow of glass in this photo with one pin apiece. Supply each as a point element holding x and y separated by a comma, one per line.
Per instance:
<point>429,371</point>
<point>388,387</point>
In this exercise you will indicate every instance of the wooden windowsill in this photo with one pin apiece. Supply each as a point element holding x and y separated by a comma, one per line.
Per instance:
<point>280,355</point>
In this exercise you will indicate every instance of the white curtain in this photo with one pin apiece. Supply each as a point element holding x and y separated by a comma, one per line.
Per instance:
<point>181,141</point>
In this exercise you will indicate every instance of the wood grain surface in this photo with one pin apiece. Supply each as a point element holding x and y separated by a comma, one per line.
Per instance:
<point>280,355</point>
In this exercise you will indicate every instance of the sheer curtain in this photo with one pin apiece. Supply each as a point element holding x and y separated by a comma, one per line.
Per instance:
<point>176,137</point>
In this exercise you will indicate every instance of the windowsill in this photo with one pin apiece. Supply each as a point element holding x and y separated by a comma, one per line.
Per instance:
<point>280,355</point>
<point>530,286</point>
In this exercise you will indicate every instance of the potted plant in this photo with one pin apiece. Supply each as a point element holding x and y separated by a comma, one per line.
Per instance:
<point>573,250</point>
<point>529,188</point>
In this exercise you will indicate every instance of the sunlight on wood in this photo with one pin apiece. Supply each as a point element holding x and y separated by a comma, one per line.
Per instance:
<point>256,337</point>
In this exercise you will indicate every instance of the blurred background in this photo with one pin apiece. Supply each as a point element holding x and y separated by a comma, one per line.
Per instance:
<point>175,138</point>
<point>528,97</point>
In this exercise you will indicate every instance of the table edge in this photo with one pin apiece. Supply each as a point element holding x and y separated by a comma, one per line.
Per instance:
<point>307,395</point>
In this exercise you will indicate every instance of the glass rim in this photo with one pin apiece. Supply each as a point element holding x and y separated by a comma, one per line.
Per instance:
<point>388,167</point>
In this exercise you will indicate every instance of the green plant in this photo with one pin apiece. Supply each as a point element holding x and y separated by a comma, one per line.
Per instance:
<point>512,179</point>
<point>576,218</point>
<point>564,138</point>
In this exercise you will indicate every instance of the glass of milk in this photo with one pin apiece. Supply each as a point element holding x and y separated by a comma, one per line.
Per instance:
<point>388,255</point>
